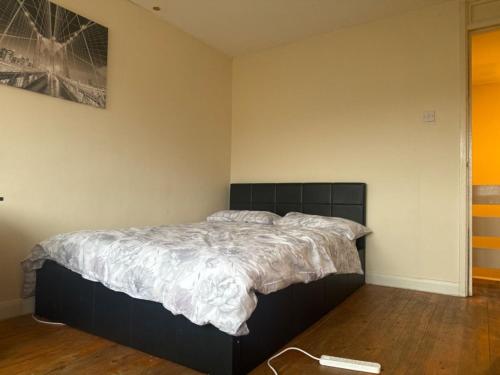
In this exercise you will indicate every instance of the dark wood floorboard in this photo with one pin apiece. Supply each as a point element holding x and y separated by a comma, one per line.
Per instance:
<point>408,332</point>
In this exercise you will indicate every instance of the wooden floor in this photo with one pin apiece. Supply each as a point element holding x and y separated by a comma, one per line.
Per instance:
<point>407,332</point>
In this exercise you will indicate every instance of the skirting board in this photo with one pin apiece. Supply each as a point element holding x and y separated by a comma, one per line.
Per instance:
<point>16,307</point>
<point>423,285</point>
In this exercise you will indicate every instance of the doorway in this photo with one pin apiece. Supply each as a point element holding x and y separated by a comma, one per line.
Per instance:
<point>485,155</point>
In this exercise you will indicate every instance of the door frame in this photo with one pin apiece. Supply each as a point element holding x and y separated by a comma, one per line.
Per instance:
<point>464,206</point>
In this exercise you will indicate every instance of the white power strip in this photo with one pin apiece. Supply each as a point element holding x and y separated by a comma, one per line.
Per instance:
<point>326,360</point>
<point>350,364</point>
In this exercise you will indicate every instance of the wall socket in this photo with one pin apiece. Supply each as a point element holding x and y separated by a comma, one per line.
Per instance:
<point>429,117</point>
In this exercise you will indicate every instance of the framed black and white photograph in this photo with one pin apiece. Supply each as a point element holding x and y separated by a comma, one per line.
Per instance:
<point>51,50</point>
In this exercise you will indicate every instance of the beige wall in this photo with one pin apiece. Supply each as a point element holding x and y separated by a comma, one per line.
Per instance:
<point>347,106</point>
<point>158,154</point>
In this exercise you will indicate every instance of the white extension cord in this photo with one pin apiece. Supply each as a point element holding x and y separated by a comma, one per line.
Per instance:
<point>326,360</point>
<point>285,350</point>
<point>46,321</point>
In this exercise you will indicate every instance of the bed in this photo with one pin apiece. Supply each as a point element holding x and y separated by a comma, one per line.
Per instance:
<point>63,295</point>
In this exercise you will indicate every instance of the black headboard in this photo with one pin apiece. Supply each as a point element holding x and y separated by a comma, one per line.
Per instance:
<point>347,200</point>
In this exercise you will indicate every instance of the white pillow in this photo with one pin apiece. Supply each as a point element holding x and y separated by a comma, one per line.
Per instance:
<point>257,217</point>
<point>340,226</point>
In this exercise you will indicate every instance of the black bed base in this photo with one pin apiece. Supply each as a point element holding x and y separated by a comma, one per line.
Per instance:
<point>64,296</point>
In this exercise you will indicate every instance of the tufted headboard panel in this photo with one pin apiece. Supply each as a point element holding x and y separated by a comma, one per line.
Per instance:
<point>347,200</point>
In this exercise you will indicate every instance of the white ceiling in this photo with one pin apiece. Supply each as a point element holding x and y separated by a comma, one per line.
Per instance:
<point>238,27</point>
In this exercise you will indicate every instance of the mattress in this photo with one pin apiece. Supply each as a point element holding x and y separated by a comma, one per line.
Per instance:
<point>209,272</point>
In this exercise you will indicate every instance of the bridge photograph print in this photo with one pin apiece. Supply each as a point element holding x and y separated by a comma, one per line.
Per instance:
<point>50,50</point>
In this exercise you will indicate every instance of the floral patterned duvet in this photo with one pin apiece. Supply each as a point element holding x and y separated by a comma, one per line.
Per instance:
<point>208,272</point>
